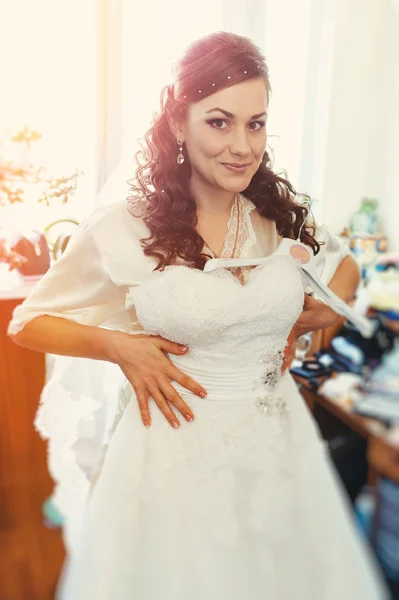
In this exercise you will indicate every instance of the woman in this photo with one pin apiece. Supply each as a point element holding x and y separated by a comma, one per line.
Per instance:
<point>225,493</point>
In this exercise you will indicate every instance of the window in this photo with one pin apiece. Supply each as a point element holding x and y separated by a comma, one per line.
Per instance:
<point>49,76</point>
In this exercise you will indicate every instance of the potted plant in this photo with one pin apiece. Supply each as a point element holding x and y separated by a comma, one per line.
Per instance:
<point>28,182</point>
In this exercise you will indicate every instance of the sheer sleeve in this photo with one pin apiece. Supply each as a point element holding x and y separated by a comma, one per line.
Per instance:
<point>332,252</point>
<point>77,287</point>
<point>88,285</point>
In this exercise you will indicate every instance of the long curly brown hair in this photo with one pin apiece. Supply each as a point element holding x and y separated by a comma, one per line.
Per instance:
<point>160,189</point>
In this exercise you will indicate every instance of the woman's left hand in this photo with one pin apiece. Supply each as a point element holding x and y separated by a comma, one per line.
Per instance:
<point>315,315</point>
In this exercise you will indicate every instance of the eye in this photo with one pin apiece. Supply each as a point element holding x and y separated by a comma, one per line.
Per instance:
<point>257,125</point>
<point>218,123</point>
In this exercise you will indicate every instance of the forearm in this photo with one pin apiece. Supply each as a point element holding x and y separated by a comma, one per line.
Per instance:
<point>56,335</point>
<point>346,279</point>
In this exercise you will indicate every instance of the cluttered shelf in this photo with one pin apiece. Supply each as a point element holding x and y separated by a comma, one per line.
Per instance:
<point>382,439</point>
<point>351,386</point>
<point>355,378</point>
<point>359,439</point>
<point>357,381</point>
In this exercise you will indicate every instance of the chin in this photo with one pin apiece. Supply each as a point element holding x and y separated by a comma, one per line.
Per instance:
<point>237,186</point>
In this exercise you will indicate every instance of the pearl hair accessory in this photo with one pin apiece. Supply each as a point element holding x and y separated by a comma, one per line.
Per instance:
<point>228,77</point>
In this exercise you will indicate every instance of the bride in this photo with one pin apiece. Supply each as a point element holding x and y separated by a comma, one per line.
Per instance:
<point>213,483</point>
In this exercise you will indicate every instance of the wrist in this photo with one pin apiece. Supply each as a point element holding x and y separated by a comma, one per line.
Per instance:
<point>297,331</point>
<point>105,344</point>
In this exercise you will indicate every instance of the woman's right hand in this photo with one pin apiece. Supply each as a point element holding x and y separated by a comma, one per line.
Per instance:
<point>143,362</point>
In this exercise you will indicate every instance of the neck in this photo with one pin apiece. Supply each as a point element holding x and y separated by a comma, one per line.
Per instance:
<point>211,200</point>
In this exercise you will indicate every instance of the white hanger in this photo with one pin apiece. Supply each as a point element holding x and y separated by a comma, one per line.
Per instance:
<point>304,258</point>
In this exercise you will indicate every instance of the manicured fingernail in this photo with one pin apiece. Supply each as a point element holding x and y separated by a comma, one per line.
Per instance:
<point>175,424</point>
<point>188,417</point>
<point>147,423</point>
<point>203,394</point>
<point>184,348</point>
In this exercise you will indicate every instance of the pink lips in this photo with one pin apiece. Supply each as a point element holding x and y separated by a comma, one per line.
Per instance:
<point>236,167</point>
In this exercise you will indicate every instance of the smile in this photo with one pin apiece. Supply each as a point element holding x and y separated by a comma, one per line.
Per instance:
<point>236,168</point>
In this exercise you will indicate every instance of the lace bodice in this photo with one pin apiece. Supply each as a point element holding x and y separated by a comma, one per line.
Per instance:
<point>219,319</point>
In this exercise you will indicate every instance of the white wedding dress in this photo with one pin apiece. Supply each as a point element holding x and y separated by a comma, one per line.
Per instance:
<point>243,502</point>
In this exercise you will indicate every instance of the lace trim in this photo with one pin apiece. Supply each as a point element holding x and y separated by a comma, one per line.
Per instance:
<point>239,229</point>
<point>240,234</point>
<point>231,241</point>
<point>247,236</point>
<point>74,416</point>
<point>57,420</point>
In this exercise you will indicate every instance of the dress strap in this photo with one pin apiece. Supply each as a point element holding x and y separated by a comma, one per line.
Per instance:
<point>304,258</point>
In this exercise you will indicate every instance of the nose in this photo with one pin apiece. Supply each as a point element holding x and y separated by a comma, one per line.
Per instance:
<point>239,144</point>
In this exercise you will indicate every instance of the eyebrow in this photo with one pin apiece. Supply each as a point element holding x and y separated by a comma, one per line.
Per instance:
<point>231,116</point>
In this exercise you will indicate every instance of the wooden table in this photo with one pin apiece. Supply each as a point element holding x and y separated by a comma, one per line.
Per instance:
<point>382,443</point>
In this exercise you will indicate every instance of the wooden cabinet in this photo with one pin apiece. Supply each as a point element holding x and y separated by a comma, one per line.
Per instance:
<point>31,555</point>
